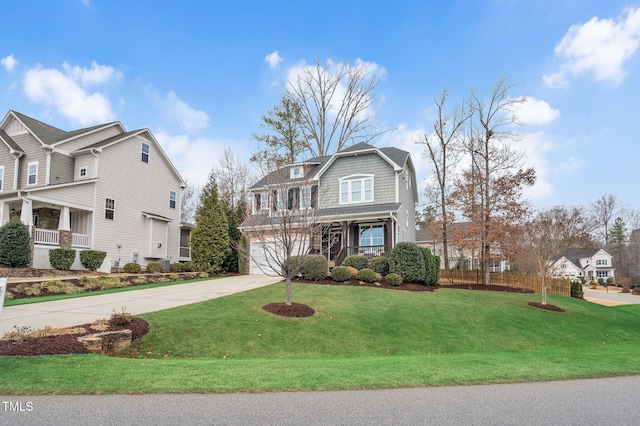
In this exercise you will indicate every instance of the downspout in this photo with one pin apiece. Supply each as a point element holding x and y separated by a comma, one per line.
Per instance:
<point>47,176</point>
<point>16,168</point>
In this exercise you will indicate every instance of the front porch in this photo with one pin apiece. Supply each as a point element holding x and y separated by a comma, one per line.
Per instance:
<point>51,237</point>
<point>369,238</point>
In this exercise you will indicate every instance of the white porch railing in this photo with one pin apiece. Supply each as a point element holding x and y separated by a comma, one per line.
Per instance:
<point>47,236</point>
<point>52,237</point>
<point>81,240</point>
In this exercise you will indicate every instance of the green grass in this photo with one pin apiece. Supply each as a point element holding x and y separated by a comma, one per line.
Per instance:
<point>359,338</point>
<point>38,299</point>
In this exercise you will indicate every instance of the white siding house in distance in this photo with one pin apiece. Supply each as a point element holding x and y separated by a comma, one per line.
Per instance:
<point>101,188</point>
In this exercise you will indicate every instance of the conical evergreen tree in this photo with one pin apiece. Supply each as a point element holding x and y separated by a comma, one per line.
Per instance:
<point>210,245</point>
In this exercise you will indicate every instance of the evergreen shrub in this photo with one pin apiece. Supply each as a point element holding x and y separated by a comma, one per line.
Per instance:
<point>314,267</point>
<point>576,289</point>
<point>132,268</point>
<point>366,275</point>
<point>357,261</point>
<point>340,274</point>
<point>394,279</point>
<point>407,260</point>
<point>62,259</point>
<point>177,267</point>
<point>380,264</point>
<point>154,267</point>
<point>92,259</point>
<point>15,244</point>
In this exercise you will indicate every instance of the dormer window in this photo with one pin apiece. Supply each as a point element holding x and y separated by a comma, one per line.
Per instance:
<point>82,172</point>
<point>356,189</point>
<point>296,172</point>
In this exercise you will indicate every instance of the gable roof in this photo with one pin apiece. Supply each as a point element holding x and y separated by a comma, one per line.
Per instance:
<point>10,143</point>
<point>575,254</point>
<point>281,176</point>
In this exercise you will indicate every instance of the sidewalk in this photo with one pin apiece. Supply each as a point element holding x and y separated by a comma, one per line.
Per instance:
<point>82,310</point>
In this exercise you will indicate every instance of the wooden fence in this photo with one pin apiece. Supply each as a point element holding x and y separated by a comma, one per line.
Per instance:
<point>561,286</point>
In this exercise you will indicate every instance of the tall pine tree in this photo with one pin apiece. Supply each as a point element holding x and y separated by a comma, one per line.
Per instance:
<point>210,245</point>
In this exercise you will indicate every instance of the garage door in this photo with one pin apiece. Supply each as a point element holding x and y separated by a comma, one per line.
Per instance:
<point>261,262</point>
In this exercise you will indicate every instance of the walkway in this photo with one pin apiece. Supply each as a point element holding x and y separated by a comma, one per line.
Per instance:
<point>82,310</point>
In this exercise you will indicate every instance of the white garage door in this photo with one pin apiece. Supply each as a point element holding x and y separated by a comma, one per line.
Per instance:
<point>260,259</point>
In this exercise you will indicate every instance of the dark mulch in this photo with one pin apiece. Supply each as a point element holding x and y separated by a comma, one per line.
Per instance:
<point>295,310</point>
<point>547,307</point>
<point>65,343</point>
<point>489,287</point>
<point>356,283</point>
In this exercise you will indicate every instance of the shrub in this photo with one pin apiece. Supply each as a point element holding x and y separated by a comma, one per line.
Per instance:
<point>174,277</point>
<point>92,259</point>
<point>601,281</point>
<point>314,267</point>
<point>593,284</point>
<point>105,282</point>
<point>380,264</point>
<point>154,267</point>
<point>366,275</point>
<point>140,280</point>
<point>356,261</point>
<point>8,296</point>
<point>15,244</point>
<point>576,289</point>
<point>636,290</point>
<point>394,279</point>
<point>62,259</point>
<point>188,267</point>
<point>407,260</point>
<point>57,286</point>
<point>352,270</point>
<point>340,274</point>
<point>132,268</point>
<point>177,267</point>
<point>29,289</point>
<point>120,318</point>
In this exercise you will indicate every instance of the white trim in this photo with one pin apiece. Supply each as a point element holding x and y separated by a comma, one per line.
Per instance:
<point>349,180</point>
<point>1,178</point>
<point>33,163</point>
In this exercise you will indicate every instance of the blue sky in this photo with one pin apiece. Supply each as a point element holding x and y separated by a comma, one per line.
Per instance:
<point>200,74</point>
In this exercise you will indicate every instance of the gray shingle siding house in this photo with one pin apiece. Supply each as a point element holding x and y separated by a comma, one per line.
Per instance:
<point>364,197</point>
<point>100,188</point>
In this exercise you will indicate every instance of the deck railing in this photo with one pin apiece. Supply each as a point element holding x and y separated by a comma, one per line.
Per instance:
<point>52,237</point>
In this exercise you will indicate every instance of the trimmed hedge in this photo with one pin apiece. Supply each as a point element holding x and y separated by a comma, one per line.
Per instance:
<point>177,267</point>
<point>314,267</point>
<point>356,261</point>
<point>394,279</point>
<point>132,268</point>
<point>62,259</point>
<point>366,275</point>
<point>15,244</point>
<point>432,267</point>
<point>92,259</point>
<point>154,267</point>
<point>340,274</point>
<point>407,260</point>
<point>380,264</point>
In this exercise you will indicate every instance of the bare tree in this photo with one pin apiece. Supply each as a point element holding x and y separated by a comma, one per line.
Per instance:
<point>489,191</point>
<point>232,177</point>
<point>336,104</point>
<point>442,149</point>
<point>553,231</point>
<point>285,138</point>
<point>603,210</point>
<point>190,197</point>
<point>284,229</point>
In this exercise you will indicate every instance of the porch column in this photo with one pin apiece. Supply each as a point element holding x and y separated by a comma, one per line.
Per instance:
<point>389,240</point>
<point>26,214</point>
<point>5,213</point>
<point>64,223</point>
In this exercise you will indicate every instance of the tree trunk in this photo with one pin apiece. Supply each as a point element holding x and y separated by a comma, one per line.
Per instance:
<point>288,291</point>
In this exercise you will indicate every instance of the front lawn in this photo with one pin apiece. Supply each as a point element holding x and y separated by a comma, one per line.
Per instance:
<point>358,338</point>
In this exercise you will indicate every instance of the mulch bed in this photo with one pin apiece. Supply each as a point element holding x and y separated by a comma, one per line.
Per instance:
<point>547,307</point>
<point>295,310</point>
<point>65,343</point>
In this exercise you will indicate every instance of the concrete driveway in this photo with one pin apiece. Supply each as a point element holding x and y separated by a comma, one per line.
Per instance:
<point>82,310</point>
<point>612,296</point>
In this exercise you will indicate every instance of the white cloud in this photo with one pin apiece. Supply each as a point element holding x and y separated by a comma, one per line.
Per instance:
<point>9,62</point>
<point>190,119</point>
<point>193,158</point>
<point>273,59</point>
<point>537,112</point>
<point>538,147</point>
<point>65,91</point>
<point>600,47</point>
<point>98,74</point>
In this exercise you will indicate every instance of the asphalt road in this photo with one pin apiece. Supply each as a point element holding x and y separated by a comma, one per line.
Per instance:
<point>609,401</point>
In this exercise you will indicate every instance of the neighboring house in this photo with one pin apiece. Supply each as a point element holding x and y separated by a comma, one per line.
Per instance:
<point>100,188</point>
<point>464,255</point>
<point>362,197</point>
<point>588,264</point>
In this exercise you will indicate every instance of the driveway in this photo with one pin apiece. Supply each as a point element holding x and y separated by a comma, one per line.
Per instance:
<point>609,297</point>
<point>82,310</point>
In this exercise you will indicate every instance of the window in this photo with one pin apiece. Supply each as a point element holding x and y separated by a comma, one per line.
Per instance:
<point>145,152</point>
<point>602,274</point>
<point>601,262</point>
<point>371,235</point>
<point>262,201</point>
<point>1,177</point>
<point>278,200</point>
<point>305,197</point>
<point>83,171</point>
<point>296,172</point>
<point>356,190</point>
<point>32,173</point>
<point>109,209</point>
<point>172,199</point>
<point>293,198</point>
